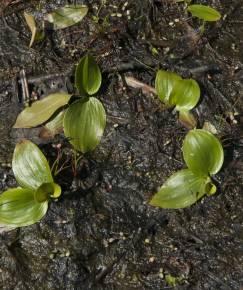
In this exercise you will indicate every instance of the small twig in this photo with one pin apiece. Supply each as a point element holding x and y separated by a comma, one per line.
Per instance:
<point>24,87</point>
<point>42,78</point>
<point>126,66</point>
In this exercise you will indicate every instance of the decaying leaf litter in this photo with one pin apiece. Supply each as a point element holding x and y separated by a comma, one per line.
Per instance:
<point>102,234</point>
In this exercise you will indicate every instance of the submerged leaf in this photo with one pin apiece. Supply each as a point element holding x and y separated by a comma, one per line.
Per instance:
<point>185,95</point>
<point>84,124</point>
<point>204,12</point>
<point>202,152</point>
<point>18,208</point>
<point>67,16</point>
<point>30,166</point>
<point>87,76</point>
<point>180,190</point>
<point>41,111</point>
<point>164,83</point>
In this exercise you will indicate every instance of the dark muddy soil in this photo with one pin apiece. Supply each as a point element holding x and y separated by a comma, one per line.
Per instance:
<point>102,234</point>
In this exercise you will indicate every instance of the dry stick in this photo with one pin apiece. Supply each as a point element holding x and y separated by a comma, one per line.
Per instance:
<point>123,67</point>
<point>24,86</point>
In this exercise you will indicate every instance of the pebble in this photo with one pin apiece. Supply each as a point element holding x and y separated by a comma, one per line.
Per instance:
<point>151,259</point>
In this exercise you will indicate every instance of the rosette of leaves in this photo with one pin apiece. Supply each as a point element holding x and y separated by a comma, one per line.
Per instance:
<point>83,120</point>
<point>204,156</point>
<point>27,204</point>
<point>183,94</point>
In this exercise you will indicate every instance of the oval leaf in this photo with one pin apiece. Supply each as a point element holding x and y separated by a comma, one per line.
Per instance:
<point>30,166</point>
<point>203,153</point>
<point>204,12</point>
<point>67,16</point>
<point>41,111</point>
<point>185,95</point>
<point>87,76</point>
<point>180,190</point>
<point>84,124</point>
<point>18,208</point>
<point>164,84</point>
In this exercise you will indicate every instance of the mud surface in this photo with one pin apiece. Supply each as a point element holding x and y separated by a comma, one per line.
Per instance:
<point>102,234</point>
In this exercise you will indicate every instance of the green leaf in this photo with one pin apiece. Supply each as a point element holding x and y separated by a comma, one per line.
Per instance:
<point>41,111</point>
<point>210,188</point>
<point>164,83</point>
<point>185,95</point>
<point>87,76</point>
<point>203,12</point>
<point>171,280</point>
<point>180,190</point>
<point>30,166</point>
<point>203,153</point>
<point>47,190</point>
<point>84,124</point>
<point>67,16</point>
<point>53,127</point>
<point>18,208</point>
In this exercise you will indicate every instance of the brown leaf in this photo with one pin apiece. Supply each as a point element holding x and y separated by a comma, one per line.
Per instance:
<point>135,83</point>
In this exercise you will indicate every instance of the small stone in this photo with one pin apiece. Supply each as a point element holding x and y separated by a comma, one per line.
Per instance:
<point>166,49</point>
<point>105,243</point>
<point>151,259</point>
<point>124,6</point>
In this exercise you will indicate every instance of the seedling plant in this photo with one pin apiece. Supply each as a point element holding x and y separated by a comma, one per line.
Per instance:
<point>204,13</point>
<point>183,94</point>
<point>204,156</point>
<point>83,118</point>
<point>27,204</point>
